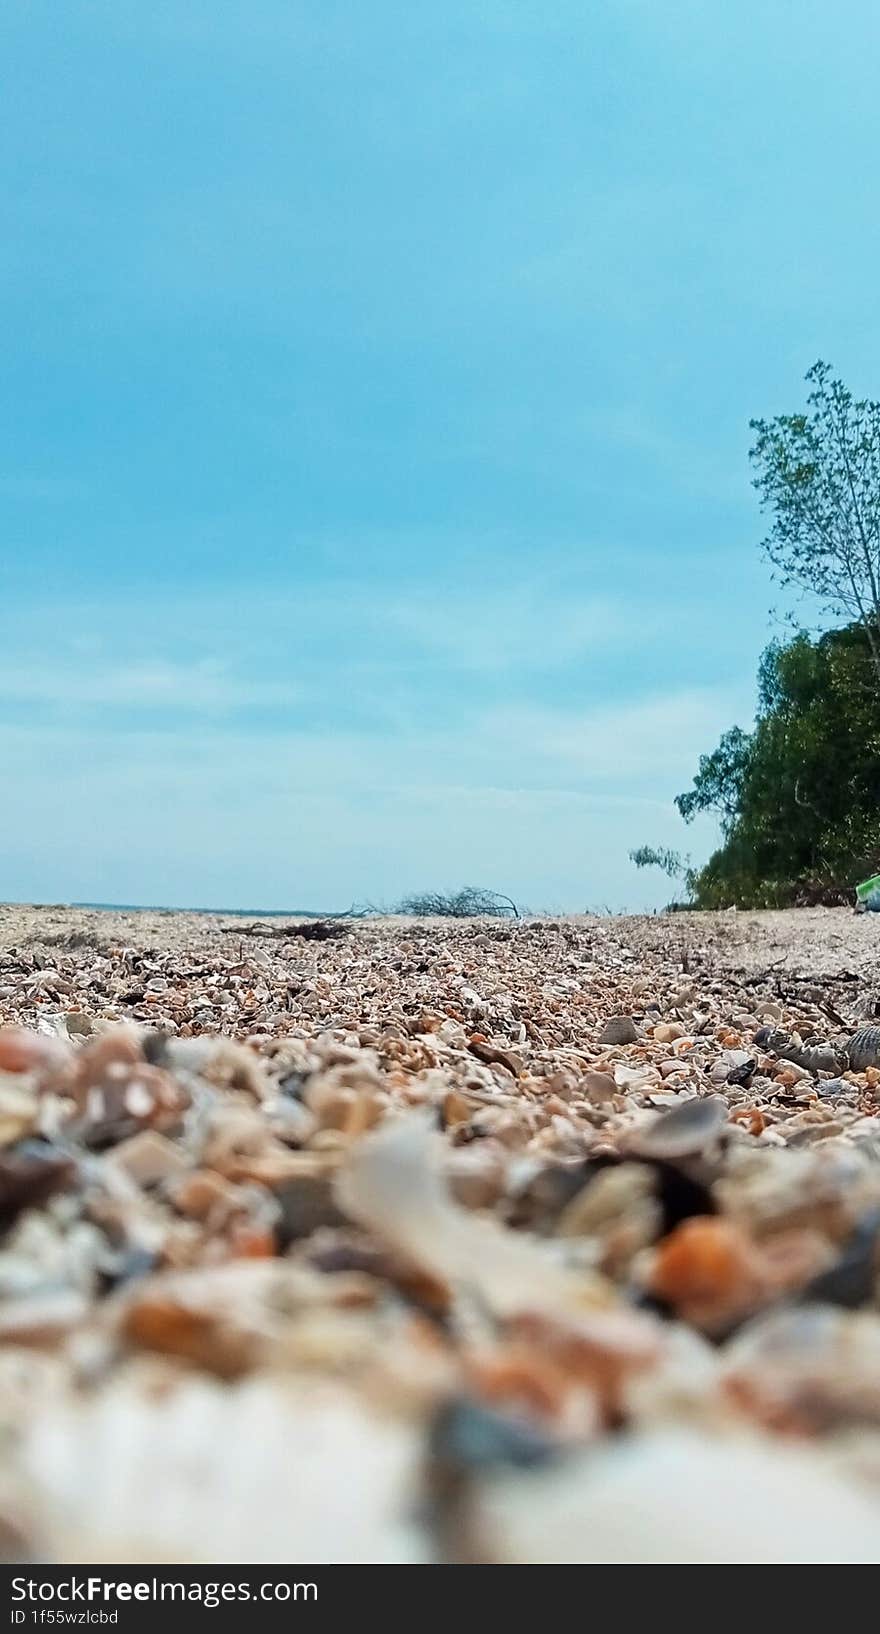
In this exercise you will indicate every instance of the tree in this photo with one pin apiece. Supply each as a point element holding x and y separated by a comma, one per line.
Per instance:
<point>799,798</point>
<point>718,784</point>
<point>818,475</point>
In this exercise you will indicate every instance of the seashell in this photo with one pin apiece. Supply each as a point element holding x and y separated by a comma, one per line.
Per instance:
<point>239,1143</point>
<point>723,1070</point>
<point>30,1173</point>
<point>666,1032</point>
<point>811,1058</point>
<point>194,1471</point>
<point>706,1268</point>
<point>475,1175</point>
<point>392,1185</point>
<point>852,1279</point>
<point>149,1158</point>
<point>307,1203</point>
<point>864,1049</point>
<point>538,1192</point>
<point>119,1046</point>
<point>667,1068</point>
<point>492,1055</point>
<point>751,1117</point>
<point>619,1030</point>
<point>620,1210</point>
<point>78,1025</point>
<point>636,1080</point>
<point>807,1367</point>
<point>743,1073</point>
<point>457,1109</point>
<point>598,1087</point>
<point>830,1088</point>
<point>19,1110</point>
<point>612,1506</point>
<point>130,1095</point>
<point>468,1436</point>
<point>687,1129</point>
<point>159,1320</point>
<point>219,1061</point>
<point>42,1318</point>
<point>25,1051</point>
<point>224,1319</point>
<point>203,1193</point>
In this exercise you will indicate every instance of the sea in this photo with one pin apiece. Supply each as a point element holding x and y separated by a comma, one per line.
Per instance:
<point>232,913</point>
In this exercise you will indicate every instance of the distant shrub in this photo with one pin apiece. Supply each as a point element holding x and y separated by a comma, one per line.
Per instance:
<point>468,903</point>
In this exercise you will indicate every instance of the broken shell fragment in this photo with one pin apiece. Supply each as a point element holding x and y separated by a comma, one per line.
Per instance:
<point>19,1111</point>
<point>25,1051</point>
<point>619,1030</point>
<point>29,1174</point>
<point>598,1087</point>
<point>708,1270</point>
<point>683,1131</point>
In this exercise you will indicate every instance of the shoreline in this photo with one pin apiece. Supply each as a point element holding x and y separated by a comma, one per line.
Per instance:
<point>813,943</point>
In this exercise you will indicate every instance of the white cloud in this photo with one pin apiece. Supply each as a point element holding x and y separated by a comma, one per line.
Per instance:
<point>545,804</point>
<point>642,747</point>
<point>224,822</point>
<point>354,645</point>
<point>147,684</point>
<point>647,738</point>
<point>484,627</point>
<point>394,742</point>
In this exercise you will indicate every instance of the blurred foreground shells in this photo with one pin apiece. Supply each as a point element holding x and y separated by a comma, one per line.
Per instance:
<point>427,1242</point>
<point>195,1472</point>
<point>618,1508</point>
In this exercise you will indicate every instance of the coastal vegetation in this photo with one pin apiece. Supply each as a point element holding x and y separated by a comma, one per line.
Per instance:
<point>798,797</point>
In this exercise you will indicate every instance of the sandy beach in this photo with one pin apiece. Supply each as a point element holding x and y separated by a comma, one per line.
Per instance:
<point>430,1212</point>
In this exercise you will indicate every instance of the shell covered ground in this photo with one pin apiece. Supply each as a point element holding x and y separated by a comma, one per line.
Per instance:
<point>414,1241</point>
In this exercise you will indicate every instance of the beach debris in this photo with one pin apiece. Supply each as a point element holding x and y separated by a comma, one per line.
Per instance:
<point>830,1057</point>
<point>310,930</point>
<point>856,1053</point>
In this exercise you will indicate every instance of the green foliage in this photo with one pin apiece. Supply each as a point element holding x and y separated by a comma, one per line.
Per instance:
<point>799,798</point>
<point>818,476</point>
<point>719,781</point>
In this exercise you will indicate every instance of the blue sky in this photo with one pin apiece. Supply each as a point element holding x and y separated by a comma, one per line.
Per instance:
<point>373,482</point>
